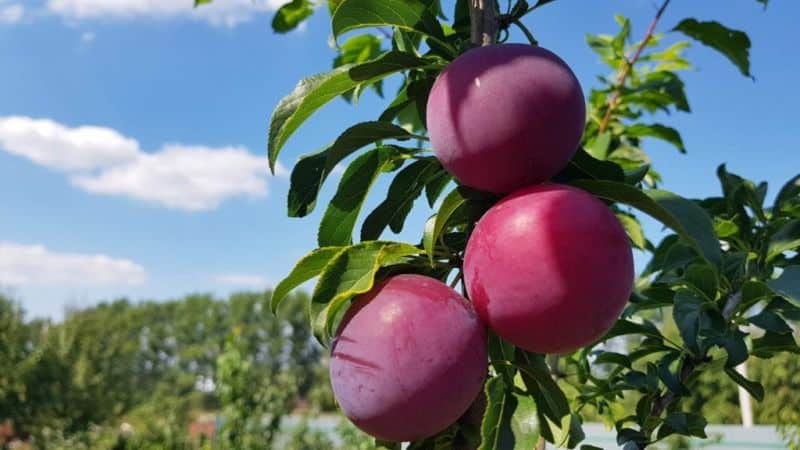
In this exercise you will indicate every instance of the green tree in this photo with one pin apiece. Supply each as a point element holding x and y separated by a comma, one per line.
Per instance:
<point>727,276</point>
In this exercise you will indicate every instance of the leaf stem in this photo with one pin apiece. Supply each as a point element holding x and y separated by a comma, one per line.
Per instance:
<point>629,63</point>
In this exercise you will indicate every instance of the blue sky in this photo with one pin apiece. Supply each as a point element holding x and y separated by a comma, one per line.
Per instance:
<point>132,135</point>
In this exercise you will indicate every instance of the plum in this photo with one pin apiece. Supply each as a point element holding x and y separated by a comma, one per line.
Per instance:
<point>408,359</point>
<point>506,116</point>
<point>549,268</point>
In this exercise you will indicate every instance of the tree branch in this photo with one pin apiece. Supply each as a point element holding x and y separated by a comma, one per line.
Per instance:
<point>626,71</point>
<point>483,21</point>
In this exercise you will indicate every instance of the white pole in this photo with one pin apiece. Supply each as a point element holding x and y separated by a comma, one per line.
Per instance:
<point>745,402</point>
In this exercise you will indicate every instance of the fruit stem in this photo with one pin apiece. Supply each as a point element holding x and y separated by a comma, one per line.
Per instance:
<point>626,71</point>
<point>483,20</point>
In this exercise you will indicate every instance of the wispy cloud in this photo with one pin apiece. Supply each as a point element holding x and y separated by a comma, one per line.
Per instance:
<point>241,280</point>
<point>88,37</point>
<point>103,161</point>
<point>22,265</point>
<point>11,13</point>
<point>229,13</point>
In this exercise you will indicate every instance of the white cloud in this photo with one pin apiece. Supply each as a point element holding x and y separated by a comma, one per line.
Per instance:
<point>244,280</point>
<point>103,161</point>
<point>189,178</point>
<point>219,13</point>
<point>36,265</point>
<point>88,37</point>
<point>56,146</point>
<point>11,14</point>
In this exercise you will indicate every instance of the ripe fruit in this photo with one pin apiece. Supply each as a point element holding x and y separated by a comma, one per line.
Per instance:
<point>507,116</point>
<point>549,268</point>
<point>409,358</point>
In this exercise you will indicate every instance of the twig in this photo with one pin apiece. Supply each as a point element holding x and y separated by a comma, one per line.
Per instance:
<point>626,71</point>
<point>483,22</point>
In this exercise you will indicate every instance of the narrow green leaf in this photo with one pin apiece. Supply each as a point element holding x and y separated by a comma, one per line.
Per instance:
<point>500,350</point>
<point>753,387</point>
<point>452,202</point>
<point>390,62</point>
<point>309,95</point>
<point>548,395</point>
<point>613,358</point>
<point>769,321</point>
<point>703,278</point>
<point>786,238</point>
<point>496,433</point>
<point>685,217</point>
<point>788,284</point>
<point>403,191</point>
<point>686,313</point>
<point>307,268</point>
<point>290,15</point>
<point>658,131</point>
<point>350,273</point>
<point>306,98</point>
<point>336,227</point>
<point>584,165</point>
<point>625,327</point>
<point>435,187</point>
<point>633,229</point>
<point>411,15</point>
<point>311,171</point>
<point>771,343</point>
<point>687,424</point>
<point>789,191</point>
<point>734,44</point>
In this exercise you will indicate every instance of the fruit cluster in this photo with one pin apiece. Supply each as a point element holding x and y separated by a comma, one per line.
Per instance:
<point>548,268</point>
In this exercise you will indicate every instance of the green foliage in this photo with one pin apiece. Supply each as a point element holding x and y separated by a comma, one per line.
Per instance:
<point>735,45</point>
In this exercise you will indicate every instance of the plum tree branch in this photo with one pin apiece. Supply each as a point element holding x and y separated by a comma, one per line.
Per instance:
<point>483,22</point>
<point>628,67</point>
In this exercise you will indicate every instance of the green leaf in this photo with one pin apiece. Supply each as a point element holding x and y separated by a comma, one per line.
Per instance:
<point>584,165</point>
<point>390,62</point>
<point>634,230</point>
<point>358,49</point>
<point>311,171</point>
<point>289,16</point>
<point>772,343</point>
<point>624,327</point>
<point>500,350</point>
<point>307,97</point>
<point>753,387</point>
<point>686,313</point>
<point>703,278</point>
<point>671,379</point>
<point>405,189</point>
<point>658,131</point>
<point>411,15</point>
<point>336,227</point>
<point>683,216</point>
<point>788,284</point>
<point>525,424</point>
<point>687,424</point>
<point>307,268</point>
<point>786,238</point>
<point>451,203</point>
<point>613,358</point>
<point>769,321</point>
<point>435,186</point>
<point>789,191</point>
<point>496,432</point>
<point>350,273</point>
<point>548,395</point>
<point>734,44</point>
